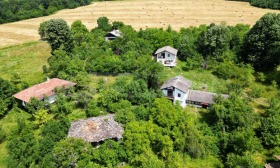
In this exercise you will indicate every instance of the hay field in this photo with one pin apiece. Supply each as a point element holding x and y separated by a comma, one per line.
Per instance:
<point>141,14</point>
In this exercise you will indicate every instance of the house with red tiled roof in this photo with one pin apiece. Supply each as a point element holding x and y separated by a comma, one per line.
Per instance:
<point>43,91</point>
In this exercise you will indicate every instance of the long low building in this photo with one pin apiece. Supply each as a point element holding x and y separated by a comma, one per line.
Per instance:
<point>44,91</point>
<point>178,89</point>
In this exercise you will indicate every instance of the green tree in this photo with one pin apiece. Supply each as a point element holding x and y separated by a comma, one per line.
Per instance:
<point>245,160</point>
<point>214,41</point>
<point>103,24</point>
<point>150,71</point>
<point>7,89</point>
<point>270,133</point>
<point>261,46</point>
<point>109,154</point>
<point>42,30</point>
<point>71,152</point>
<point>22,147</point>
<point>79,31</point>
<point>59,35</point>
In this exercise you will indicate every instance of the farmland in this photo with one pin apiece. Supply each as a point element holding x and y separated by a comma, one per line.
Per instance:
<point>141,14</point>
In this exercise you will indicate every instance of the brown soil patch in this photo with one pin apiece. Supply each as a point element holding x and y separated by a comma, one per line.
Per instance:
<point>141,14</point>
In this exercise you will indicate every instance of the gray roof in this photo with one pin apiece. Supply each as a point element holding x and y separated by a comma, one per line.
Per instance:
<point>167,48</point>
<point>178,82</point>
<point>203,97</point>
<point>96,129</point>
<point>116,33</point>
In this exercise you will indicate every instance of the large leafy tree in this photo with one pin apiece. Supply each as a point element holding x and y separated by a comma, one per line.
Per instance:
<point>72,152</point>
<point>214,41</point>
<point>22,147</point>
<point>7,89</point>
<point>270,132</point>
<point>262,43</point>
<point>58,35</point>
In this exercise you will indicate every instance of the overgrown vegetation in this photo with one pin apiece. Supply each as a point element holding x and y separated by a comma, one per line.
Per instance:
<point>236,132</point>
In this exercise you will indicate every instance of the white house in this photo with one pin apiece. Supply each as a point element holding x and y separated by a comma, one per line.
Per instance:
<point>178,89</point>
<point>43,91</point>
<point>113,34</point>
<point>167,56</point>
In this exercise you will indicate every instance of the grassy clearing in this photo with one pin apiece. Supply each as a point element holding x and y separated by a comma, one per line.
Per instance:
<point>26,60</point>
<point>198,77</point>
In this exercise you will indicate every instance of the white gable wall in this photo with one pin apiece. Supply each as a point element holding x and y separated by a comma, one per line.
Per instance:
<point>167,57</point>
<point>180,96</point>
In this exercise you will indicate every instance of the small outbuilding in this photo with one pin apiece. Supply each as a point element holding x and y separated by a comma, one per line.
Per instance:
<point>96,129</point>
<point>44,91</point>
<point>113,35</point>
<point>167,56</point>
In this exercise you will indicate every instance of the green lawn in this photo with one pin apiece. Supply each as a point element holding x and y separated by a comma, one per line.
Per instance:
<point>26,60</point>
<point>198,77</point>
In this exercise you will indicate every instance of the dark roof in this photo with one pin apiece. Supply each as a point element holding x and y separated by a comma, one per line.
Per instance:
<point>178,82</point>
<point>96,129</point>
<point>168,49</point>
<point>43,89</point>
<point>203,97</point>
<point>272,165</point>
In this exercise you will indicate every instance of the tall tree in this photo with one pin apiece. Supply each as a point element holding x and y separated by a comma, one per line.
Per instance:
<point>58,35</point>
<point>214,41</point>
<point>262,43</point>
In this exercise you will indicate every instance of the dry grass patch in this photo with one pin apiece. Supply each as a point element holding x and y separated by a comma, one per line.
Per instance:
<point>141,14</point>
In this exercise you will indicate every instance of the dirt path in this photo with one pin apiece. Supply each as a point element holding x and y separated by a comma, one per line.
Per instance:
<point>141,14</point>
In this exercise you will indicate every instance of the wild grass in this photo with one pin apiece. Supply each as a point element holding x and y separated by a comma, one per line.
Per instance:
<point>26,60</point>
<point>198,77</point>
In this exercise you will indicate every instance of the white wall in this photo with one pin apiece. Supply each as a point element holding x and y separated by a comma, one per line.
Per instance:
<point>168,56</point>
<point>51,99</point>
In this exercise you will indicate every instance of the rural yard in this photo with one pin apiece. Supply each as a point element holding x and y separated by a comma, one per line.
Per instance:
<point>141,14</point>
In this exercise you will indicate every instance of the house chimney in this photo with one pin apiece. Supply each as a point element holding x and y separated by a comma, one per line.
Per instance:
<point>48,78</point>
<point>204,88</point>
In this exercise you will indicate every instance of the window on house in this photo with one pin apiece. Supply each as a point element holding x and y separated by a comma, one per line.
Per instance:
<point>179,94</point>
<point>163,55</point>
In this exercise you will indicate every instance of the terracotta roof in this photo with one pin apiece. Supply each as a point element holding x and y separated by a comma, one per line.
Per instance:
<point>96,129</point>
<point>178,82</point>
<point>167,48</point>
<point>202,96</point>
<point>43,89</point>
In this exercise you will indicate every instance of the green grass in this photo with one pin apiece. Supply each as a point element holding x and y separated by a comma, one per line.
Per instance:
<point>26,60</point>
<point>198,77</point>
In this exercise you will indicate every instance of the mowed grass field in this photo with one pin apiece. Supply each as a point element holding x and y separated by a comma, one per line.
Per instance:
<point>26,60</point>
<point>141,14</point>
